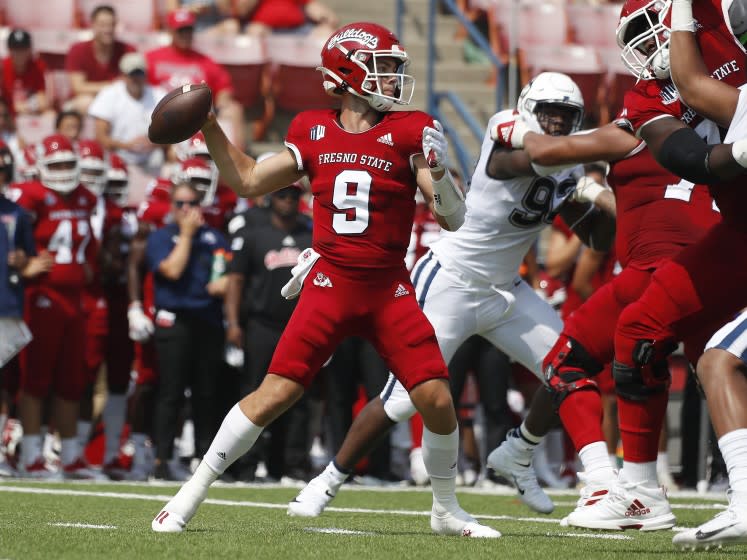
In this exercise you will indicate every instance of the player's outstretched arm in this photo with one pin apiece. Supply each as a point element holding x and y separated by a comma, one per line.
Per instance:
<point>445,198</point>
<point>707,96</point>
<point>607,143</point>
<point>241,172</point>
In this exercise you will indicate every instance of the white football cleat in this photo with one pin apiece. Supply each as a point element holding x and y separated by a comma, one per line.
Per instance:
<point>181,508</point>
<point>591,493</point>
<point>625,505</point>
<point>312,500</point>
<point>168,522</point>
<point>460,523</point>
<point>515,465</point>
<point>728,527</point>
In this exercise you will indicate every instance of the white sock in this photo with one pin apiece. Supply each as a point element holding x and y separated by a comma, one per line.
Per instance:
<point>335,477</point>
<point>3,420</point>
<point>31,448</point>
<point>643,473</point>
<point>235,437</point>
<point>733,446</point>
<point>596,462</point>
<point>191,495</point>
<point>114,417</point>
<point>84,432</point>
<point>440,453</point>
<point>662,462</point>
<point>528,436</point>
<point>69,450</point>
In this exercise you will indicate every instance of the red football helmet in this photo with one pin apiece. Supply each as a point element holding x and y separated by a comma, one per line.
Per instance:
<point>117,180</point>
<point>350,63</point>
<point>93,165</point>
<point>201,174</point>
<point>159,189</point>
<point>644,38</point>
<point>194,147</point>
<point>57,163</point>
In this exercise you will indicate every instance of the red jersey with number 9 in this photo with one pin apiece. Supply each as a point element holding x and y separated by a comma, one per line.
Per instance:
<point>363,184</point>
<point>62,227</point>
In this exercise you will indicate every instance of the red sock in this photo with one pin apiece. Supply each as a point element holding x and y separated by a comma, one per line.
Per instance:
<point>640,426</point>
<point>416,429</point>
<point>581,413</point>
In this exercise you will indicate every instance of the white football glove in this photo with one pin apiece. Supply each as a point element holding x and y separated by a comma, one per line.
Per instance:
<point>435,146</point>
<point>141,327</point>
<point>510,134</point>
<point>587,190</point>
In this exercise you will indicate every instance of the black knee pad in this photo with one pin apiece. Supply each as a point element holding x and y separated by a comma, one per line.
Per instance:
<point>568,355</point>
<point>563,384</point>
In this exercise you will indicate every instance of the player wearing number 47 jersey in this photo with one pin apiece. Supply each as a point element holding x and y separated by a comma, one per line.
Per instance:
<point>364,164</point>
<point>53,363</point>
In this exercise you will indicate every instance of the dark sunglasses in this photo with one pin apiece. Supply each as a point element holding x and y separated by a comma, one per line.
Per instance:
<point>181,203</point>
<point>287,194</point>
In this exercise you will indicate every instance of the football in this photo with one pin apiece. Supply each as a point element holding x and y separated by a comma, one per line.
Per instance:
<point>180,114</point>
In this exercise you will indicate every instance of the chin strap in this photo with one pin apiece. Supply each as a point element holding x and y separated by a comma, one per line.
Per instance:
<point>449,200</point>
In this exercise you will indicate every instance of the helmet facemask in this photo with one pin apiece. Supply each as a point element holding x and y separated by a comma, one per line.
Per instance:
<point>558,119</point>
<point>60,173</point>
<point>404,83</point>
<point>645,59</point>
<point>93,174</point>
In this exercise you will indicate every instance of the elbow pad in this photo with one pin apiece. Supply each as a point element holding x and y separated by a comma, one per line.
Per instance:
<point>449,200</point>
<point>686,154</point>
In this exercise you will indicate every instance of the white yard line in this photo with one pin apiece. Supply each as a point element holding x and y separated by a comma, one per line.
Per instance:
<point>609,536</point>
<point>82,525</point>
<point>267,505</point>
<point>336,531</point>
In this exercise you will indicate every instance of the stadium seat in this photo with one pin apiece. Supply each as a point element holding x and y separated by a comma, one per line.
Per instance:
<point>539,23</point>
<point>59,88</point>
<point>296,84</point>
<point>582,64</point>
<point>594,25</point>
<point>33,128</point>
<point>33,14</point>
<point>619,80</point>
<point>144,40</point>
<point>52,45</point>
<point>132,15</point>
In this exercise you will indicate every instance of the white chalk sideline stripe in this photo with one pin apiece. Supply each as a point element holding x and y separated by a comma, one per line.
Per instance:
<point>336,531</point>
<point>267,505</point>
<point>607,536</point>
<point>82,525</point>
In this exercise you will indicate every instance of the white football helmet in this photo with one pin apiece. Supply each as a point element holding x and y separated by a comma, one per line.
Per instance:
<point>51,152</point>
<point>644,38</point>
<point>554,89</point>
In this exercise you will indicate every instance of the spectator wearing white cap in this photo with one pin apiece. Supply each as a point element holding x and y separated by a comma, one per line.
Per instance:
<point>93,65</point>
<point>122,111</point>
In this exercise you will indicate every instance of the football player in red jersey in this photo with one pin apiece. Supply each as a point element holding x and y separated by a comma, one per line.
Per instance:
<point>365,164</point>
<point>707,280</point>
<point>658,215</point>
<point>54,361</point>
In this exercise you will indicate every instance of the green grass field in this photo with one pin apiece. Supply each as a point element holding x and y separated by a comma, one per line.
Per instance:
<point>111,521</point>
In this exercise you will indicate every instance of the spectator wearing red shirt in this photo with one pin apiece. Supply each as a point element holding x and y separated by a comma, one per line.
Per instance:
<point>94,64</point>
<point>178,63</point>
<point>295,16</point>
<point>23,84</point>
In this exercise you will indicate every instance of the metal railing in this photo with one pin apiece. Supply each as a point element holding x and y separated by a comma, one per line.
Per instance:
<point>435,97</point>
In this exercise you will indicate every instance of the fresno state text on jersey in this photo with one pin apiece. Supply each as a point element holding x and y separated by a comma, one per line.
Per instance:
<point>363,184</point>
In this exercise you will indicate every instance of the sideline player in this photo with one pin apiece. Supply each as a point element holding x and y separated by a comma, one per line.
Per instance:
<point>364,163</point>
<point>469,284</point>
